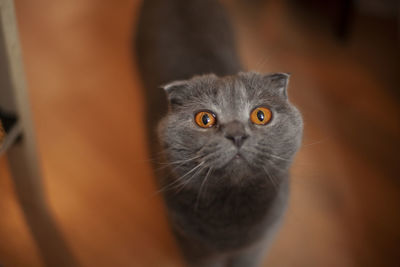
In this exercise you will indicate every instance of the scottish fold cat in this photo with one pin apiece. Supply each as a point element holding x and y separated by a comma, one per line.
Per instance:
<point>227,137</point>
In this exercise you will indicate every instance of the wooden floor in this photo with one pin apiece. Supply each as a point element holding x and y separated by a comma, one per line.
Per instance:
<point>87,105</point>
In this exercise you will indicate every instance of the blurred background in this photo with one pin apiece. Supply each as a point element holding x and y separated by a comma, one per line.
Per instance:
<point>87,105</point>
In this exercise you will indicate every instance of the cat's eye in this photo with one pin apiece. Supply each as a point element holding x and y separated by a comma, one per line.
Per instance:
<point>205,119</point>
<point>261,115</point>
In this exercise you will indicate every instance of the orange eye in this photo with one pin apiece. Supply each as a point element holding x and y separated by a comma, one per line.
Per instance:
<point>260,116</point>
<point>205,119</point>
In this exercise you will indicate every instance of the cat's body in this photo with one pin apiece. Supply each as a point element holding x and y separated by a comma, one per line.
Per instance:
<point>226,186</point>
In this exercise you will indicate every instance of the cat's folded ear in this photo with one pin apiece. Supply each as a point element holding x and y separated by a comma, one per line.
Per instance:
<point>176,92</point>
<point>278,81</point>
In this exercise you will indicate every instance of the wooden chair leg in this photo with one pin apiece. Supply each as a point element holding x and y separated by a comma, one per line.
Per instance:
<point>25,173</point>
<point>22,155</point>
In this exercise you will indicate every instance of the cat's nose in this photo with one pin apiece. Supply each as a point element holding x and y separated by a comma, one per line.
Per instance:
<point>238,140</point>
<point>235,132</point>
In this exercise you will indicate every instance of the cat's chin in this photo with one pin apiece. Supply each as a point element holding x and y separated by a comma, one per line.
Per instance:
<point>238,162</point>
<point>237,166</point>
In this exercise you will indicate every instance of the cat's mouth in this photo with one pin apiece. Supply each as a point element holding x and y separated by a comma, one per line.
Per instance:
<point>235,165</point>
<point>231,159</point>
<point>238,158</point>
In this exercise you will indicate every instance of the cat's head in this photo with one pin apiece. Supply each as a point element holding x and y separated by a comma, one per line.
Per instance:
<point>234,128</point>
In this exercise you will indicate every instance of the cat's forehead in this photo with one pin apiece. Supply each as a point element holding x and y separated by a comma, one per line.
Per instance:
<point>231,96</point>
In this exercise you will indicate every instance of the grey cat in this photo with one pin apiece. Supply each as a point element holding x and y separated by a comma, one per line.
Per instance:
<point>228,137</point>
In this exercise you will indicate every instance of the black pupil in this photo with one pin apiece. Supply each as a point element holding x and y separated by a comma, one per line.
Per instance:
<point>205,119</point>
<point>260,115</point>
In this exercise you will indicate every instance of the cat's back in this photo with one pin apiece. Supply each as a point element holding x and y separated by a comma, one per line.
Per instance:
<point>178,39</point>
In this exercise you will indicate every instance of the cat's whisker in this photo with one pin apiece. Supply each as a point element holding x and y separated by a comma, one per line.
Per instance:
<point>212,156</point>
<point>181,163</point>
<point>166,165</point>
<point>185,160</point>
<point>316,142</point>
<point>178,162</point>
<point>265,152</point>
<point>189,180</point>
<point>271,178</point>
<point>167,187</point>
<point>277,157</point>
<point>201,187</point>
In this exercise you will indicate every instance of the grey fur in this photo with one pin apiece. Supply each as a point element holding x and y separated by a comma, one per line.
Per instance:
<point>222,208</point>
